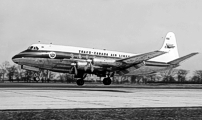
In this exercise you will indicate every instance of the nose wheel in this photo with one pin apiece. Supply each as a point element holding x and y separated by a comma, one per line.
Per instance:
<point>80,82</point>
<point>107,81</point>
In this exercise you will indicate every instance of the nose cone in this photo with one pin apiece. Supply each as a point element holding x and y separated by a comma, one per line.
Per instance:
<point>15,59</point>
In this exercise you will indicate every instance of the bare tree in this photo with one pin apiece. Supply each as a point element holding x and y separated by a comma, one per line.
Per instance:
<point>60,77</point>
<point>19,73</point>
<point>181,74</point>
<point>2,71</point>
<point>12,71</point>
<point>68,77</point>
<point>4,66</point>
<point>197,76</point>
<point>151,77</point>
<point>169,75</point>
<point>52,75</point>
<point>28,75</point>
<point>65,77</point>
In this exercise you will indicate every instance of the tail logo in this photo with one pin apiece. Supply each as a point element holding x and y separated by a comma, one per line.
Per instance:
<point>169,46</point>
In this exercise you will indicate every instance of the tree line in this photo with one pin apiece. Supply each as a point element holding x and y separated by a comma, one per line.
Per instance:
<point>13,72</point>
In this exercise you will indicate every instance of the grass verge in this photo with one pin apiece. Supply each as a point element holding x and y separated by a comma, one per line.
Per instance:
<point>191,113</point>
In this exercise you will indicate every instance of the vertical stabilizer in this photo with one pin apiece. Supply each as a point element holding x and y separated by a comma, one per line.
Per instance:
<point>169,46</point>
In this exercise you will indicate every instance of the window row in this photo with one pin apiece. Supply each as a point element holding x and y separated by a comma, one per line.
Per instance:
<point>102,54</point>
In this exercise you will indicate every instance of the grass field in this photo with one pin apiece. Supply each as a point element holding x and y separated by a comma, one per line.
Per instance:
<point>105,114</point>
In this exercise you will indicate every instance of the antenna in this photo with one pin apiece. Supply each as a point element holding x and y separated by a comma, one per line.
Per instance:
<point>50,44</point>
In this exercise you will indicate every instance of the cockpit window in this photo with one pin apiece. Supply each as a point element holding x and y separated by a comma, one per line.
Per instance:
<point>29,48</point>
<point>33,48</point>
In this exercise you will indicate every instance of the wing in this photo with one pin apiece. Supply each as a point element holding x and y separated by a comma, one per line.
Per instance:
<point>142,57</point>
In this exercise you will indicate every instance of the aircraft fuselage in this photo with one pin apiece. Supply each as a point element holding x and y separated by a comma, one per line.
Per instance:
<point>61,61</point>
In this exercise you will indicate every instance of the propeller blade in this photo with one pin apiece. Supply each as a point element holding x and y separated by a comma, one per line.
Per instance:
<point>89,65</point>
<point>75,70</point>
<point>91,68</point>
<point>86,67</point>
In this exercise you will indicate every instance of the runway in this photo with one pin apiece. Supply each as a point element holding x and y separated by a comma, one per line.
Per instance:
<point>69,96</point>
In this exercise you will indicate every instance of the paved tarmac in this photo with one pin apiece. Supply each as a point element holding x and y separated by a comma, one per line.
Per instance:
<point>63,96</point>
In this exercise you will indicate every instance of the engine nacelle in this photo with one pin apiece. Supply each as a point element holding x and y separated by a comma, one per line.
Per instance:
<point>81,65</point>
<point>103,62</point>
<point>96,64</point>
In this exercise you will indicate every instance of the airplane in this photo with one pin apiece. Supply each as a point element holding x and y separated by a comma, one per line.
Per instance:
<point>103,63</point>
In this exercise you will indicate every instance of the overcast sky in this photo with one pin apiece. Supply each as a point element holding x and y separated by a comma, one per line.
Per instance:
<point>134,26</point>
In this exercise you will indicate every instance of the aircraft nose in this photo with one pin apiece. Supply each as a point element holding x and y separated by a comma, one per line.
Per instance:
<point>15,58</point>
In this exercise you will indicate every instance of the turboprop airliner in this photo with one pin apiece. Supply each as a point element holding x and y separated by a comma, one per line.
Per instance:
<point>103,63</point>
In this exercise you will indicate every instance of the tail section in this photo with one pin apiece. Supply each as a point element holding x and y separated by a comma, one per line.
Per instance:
<point>169,46</point>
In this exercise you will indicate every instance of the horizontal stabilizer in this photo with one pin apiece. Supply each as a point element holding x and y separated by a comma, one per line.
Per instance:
<point>177,61</point>
<point>142,57</point>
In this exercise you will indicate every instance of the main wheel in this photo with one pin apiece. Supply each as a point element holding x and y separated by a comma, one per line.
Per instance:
<point>80,82</point>
<point>107,81</point>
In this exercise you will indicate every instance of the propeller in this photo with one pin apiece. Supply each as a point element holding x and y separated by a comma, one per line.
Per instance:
<point>89,65</point>
<point>74,68</point>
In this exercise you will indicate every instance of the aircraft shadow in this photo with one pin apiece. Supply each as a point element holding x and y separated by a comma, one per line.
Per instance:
<point>78,89</point>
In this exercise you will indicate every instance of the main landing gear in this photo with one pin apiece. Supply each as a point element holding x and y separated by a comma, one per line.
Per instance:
<point>81,77</point>
<point>107,81</point>
<point>80,82</point>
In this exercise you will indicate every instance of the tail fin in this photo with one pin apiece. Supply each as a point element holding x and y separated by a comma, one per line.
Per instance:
<point>169,46</point>
<point>177,61</point>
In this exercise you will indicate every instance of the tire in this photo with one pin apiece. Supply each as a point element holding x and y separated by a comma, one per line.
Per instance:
<point>80,82</point>
<point>107,81</point>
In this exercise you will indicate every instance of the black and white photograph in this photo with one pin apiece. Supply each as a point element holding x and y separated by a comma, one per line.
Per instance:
<point>100,59</point>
